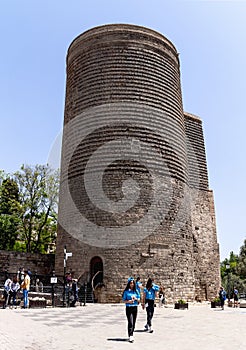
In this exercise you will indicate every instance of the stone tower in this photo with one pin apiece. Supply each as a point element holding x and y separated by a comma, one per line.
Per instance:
<point>134,195</point>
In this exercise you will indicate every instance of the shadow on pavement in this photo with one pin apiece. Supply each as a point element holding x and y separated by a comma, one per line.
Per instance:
<point>118,339</point>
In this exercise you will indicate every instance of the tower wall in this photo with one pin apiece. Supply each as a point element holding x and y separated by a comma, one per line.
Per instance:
<point>127,174</point>
<point>206,248</point>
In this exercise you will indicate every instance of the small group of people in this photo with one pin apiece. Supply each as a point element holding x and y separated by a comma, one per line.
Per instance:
<point>132,297</point>
<point>223,296</point>
<point>11,288</point>
<point>71,289</point>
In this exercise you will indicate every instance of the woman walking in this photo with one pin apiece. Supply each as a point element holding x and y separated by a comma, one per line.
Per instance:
<point>149,295</point>
<point>131,298</point>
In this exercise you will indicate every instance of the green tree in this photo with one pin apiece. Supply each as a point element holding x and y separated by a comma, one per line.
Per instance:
<point>9,196</point>
<point>233,271</point>
<point>242,262</point>
<point>9,207</point>
<point>8,231</point>
<point>38,196</point>
<point>2,176</point>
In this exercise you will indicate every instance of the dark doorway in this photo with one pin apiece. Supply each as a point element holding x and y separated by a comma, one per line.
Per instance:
<point>96,269</point>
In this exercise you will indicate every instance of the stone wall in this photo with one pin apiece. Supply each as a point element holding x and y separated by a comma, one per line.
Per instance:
<point>206,248</point>
<point>127,140</point>
<point>12,261</point>
<point>197,163</point>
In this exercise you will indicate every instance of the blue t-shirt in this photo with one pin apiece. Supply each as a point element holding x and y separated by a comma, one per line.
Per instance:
<point>150,294</point>
<point>129,295</point>
<point>138,284</point>
<point>222,294</point>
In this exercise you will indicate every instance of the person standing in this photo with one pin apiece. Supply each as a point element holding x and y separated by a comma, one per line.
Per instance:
<point>39,287</point>
<point>235,297</point>
<point>131,298</point>
<point>25,285</point>
<point>6,291</point>
<point>222,296</point>
<point>161,296</point>
<point>75,290</point>
<point>21,275</point>
<point>148,302</point>
<point>15,286</point>
<point>68,287</point>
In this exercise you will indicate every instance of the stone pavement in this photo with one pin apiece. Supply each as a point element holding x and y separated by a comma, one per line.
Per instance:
<point>101,326</point>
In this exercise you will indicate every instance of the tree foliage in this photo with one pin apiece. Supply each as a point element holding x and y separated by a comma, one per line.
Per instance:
<point>38,196</point>
<point>241,268</point>
<point>233,271</point>
<point>9,206</point>
<point>8,231</point>
<point>28,209</point>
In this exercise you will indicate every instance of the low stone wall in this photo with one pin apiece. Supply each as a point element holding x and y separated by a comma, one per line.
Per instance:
<point>40,263</point>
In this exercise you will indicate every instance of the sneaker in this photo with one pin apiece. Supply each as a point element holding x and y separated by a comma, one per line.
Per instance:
<point>131,339</point>
<point>146,327</point>
<point>150,330</point>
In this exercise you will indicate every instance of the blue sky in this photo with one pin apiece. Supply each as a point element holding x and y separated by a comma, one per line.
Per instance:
<point>210,37</point>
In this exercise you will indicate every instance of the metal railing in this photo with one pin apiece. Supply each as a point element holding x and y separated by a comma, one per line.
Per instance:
<point>53,293</point>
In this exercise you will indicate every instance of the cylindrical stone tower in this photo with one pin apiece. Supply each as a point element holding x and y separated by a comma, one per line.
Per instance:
<point>125,205</point>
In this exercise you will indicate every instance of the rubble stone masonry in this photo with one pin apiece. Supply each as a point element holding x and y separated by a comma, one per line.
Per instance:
<point>127,140</point>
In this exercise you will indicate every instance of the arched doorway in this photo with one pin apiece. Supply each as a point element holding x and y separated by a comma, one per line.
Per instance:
<point>96,270</point>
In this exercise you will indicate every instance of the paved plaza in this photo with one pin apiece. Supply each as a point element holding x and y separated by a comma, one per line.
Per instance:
<point>101,326</point>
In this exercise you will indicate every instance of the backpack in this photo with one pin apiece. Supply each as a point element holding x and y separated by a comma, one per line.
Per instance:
<point>222,294</point>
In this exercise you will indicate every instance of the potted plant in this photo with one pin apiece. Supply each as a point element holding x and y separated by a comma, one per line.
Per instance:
<point>181,304</point>
<point>215,302</point>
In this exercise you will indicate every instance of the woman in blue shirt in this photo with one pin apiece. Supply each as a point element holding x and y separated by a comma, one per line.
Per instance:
<point>131,298</point>
<point>149,295</point>
<point>139,285</point>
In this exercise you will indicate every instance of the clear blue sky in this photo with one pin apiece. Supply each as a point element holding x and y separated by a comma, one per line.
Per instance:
<point>210,37</point>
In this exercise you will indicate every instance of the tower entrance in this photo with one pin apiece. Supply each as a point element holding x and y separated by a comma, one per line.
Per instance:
<point>96,271</point>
